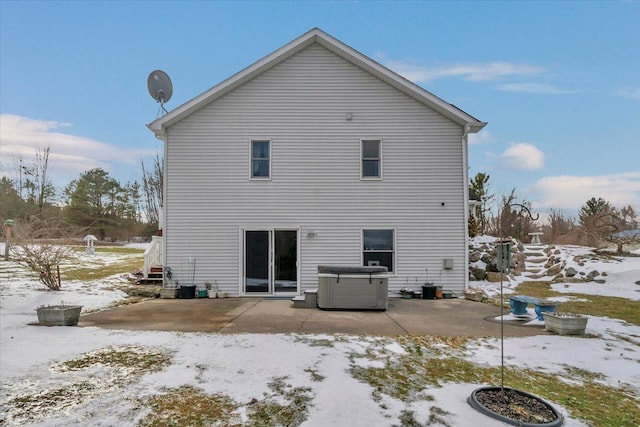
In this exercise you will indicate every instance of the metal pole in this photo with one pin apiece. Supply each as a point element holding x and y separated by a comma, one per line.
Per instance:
<point>523,208</point>
<point>501,305</point>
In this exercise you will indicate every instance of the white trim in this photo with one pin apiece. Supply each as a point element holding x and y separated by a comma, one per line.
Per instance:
<point>165,168</point>
<point>270,158</point>
<point>465,195</point>
<point>393,273</point>
<point>241,260</point>
<point>380,154</point>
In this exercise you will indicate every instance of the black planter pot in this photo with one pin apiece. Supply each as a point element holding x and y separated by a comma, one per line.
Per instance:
<point>188,292</point>
<point>473,401</point>
<point>428,291</point>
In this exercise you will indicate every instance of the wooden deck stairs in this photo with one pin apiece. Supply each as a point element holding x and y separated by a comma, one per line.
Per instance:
<point>152,270</point>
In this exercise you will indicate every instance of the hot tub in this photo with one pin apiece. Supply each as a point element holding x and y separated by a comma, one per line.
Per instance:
<point>352,288</point>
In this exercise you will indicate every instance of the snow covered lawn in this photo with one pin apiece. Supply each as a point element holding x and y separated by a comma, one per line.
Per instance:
<point>72,376</point>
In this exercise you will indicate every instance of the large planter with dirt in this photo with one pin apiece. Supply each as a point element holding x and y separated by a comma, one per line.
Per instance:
<point>169,293</point>
<point>565,323</point>
<point>58,315</point>
<point>515,407</point>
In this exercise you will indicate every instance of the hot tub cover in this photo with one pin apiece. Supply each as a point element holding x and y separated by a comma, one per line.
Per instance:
<point>339,269</point>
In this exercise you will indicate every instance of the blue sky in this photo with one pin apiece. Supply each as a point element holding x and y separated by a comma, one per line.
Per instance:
<point>558,82</point>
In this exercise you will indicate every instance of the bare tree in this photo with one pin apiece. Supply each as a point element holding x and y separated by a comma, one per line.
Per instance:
<point>32,247</point>
<point>510,222</point>
<point>152,182</point>
<point>628,225</point>
<point>34,178</point>
<point>561,228</point>
<point>45,189</point>
<point>625,237</point>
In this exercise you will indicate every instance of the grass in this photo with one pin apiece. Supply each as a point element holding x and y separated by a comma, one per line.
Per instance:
<point>102,271</point>
<point>85,378</point>
<point>431,361</point>
<point>190,406</point>
<point>127,260</point>
<point>130,357</point>
<point>132,259</point>
<point>270,412</point>
<point>110,250</point>
<point>594,305</point>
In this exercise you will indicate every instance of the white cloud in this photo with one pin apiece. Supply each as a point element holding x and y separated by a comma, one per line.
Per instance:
<point>523,156</point>
<point>475,72</point>
<point>482,137</point>
<point>633,93</point>
<point>70,155</point>
<point>571,192</point>
<point>533,88</point>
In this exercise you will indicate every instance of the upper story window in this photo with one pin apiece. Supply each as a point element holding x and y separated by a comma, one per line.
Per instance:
<point>371,155</point>
<point>260,159</point>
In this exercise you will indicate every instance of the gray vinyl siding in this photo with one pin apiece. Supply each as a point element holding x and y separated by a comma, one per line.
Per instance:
<point>300,105</point>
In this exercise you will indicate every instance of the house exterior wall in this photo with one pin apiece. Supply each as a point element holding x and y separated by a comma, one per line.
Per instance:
<point>300,105</point>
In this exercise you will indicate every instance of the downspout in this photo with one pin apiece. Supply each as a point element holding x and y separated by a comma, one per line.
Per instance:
<point>465,175</point>
<point>163,212</point>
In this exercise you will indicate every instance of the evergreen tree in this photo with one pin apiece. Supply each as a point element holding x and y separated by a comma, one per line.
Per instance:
<point>11,205</point>
<point>480,185</point>
<point>598,219</point>
<point>97,201</point>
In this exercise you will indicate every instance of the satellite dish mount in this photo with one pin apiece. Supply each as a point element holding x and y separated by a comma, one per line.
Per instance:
<point>160,87</point>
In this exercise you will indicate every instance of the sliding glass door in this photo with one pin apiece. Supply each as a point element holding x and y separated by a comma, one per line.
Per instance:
<point>270,262</point>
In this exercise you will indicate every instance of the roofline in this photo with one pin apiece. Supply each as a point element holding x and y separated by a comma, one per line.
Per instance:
<point>316,35</point>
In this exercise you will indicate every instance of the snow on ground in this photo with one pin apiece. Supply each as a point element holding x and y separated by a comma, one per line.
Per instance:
<point>620,281</point>
<point>243,366</point>
<point>620,274</point>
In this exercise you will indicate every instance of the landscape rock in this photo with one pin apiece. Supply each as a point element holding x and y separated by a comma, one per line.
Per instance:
<point>570,272</point>
<point>496,277</point>
<point>517,263</point>
<point>486,258</point>
<point>478,273</point>
<point>475,256</point>
<point>554,270</point>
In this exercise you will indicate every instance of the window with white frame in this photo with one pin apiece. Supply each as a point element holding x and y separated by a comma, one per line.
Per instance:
<point>371,154</point>
<point>260,159</point>
<point>378,248</point>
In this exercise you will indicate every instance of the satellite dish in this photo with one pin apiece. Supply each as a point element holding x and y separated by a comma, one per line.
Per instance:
<point>160,87</point>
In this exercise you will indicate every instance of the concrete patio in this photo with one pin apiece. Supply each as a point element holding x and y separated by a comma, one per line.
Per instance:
<point>447,317</point>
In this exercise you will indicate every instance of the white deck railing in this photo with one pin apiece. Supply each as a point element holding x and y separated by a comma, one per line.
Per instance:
<point>152,255</point>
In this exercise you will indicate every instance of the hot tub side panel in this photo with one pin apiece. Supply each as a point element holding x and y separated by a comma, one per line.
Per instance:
<point>348,292</point>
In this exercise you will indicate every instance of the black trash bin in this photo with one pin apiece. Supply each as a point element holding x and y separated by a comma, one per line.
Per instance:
<point>188,292</point>
<point>428,291</point>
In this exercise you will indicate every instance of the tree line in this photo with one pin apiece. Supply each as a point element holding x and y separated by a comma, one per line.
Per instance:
<point>598,222</point>
<point>94,203</point>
